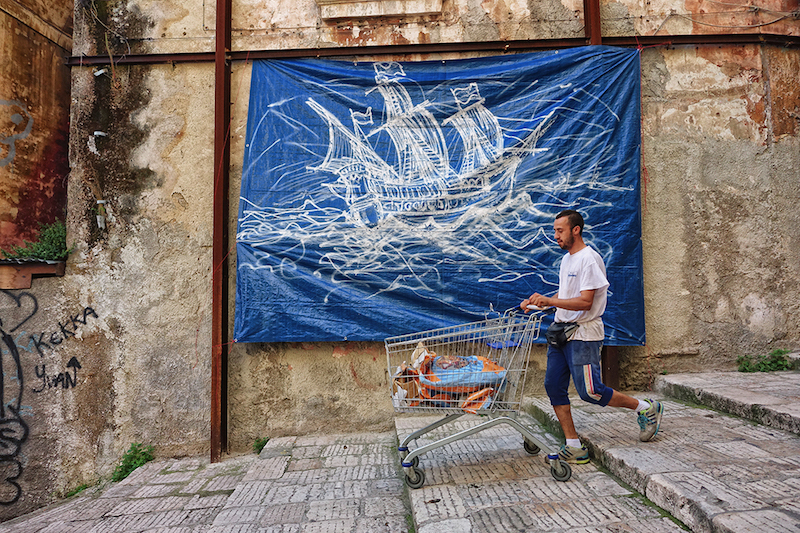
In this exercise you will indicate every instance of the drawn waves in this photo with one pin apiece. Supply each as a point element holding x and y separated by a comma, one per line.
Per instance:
<point>496,244</point>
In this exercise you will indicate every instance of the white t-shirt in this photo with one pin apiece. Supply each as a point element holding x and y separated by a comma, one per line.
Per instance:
<point>583,271</point>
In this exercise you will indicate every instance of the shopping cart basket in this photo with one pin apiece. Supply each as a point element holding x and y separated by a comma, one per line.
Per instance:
<point>476,368</point>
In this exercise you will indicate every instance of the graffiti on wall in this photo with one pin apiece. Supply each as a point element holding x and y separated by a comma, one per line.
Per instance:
<point>17,310</point>
<point>15,124</point>
<point>13,429</point>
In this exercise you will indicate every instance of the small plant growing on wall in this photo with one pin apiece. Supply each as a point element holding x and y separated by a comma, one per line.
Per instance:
<point>776,360</point>
<point>136,456</point>
<point>51,246</point>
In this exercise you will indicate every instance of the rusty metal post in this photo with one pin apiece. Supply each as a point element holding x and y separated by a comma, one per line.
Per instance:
<point>219,298</point>
<point>610,367</point>
<point>591,21</point>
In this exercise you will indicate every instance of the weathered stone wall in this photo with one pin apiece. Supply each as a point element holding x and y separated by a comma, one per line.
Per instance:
<point>720,145</point>
<point>721,149</point>
<point>34,120</point>
<point>35,377</point>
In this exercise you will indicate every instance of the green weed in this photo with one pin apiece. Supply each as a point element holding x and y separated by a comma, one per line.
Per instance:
<point>51,246</point>
<point>259,444</point>
<point>77,490</point>
<point>776,360</point>
<point>136,456</point>
<point>410,524</point>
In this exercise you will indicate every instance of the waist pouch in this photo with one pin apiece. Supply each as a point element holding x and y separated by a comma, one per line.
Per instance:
<point>560,332</point>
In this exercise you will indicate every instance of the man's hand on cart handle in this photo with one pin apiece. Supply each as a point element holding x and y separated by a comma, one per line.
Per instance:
<point>536,302</point>
<point>543,310</point>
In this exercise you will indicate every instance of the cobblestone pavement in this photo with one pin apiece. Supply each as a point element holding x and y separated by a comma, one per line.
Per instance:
<point>722,472</point>
<point>488,483</point>
<point>354,484</point>
<point>323,484</point>
<point>714,472</point>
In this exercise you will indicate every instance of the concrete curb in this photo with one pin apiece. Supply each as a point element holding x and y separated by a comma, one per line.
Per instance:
<point>733,393</point>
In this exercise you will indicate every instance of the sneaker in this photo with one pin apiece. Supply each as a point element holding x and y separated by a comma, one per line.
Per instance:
<point>574,455</point>
<point>650,420</point>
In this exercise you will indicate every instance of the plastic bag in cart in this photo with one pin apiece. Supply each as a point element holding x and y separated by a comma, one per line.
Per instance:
<point>475,374</point>
<point>405,387</point>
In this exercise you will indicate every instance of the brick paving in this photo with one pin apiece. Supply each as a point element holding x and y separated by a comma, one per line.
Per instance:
<point>714,472</point>
<point>487,482</point>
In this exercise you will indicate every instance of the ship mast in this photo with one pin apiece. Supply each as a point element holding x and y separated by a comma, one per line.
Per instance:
<point>418,139</point>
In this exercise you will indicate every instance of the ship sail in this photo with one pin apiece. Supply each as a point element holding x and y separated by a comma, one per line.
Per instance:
<point>421,183</point>
<point>356,164</point>
<point>478,128</point>
<point>346,149</point>
<point>416,135</point>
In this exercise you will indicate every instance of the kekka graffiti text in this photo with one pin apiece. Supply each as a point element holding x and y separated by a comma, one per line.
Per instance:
<point>68,329</point>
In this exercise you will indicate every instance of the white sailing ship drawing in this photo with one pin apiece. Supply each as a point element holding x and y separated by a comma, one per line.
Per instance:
<point>423,178</point>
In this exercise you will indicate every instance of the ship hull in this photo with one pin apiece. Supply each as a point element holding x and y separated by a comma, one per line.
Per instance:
<point>376,200</point>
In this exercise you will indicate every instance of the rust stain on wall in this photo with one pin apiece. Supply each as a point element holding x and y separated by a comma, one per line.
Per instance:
<point>780,87</point>
<point>769,16</point>
<point>745,63</point>
<point>347,35</point>
<point>784,91</point>
<point>733,60</point>
<point>34,104</point>
<point>43,196</point>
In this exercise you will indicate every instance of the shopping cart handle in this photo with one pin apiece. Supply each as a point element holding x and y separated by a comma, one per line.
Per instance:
<point>546,310</point>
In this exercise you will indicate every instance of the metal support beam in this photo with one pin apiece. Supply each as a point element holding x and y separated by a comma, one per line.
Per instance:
<point>591,21</point>
<point>219,282</point>
<point>610,366</point>
<point>442,48</point>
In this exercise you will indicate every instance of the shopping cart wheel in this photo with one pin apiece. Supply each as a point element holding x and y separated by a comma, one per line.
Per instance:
<point>418,480</point>
<point>562,472</point>
<point>531,448</point>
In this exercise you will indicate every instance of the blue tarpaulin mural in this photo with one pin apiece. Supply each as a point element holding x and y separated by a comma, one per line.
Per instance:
<point>386,198</point>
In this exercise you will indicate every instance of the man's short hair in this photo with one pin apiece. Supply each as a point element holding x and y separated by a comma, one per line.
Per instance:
<point>575,218</point>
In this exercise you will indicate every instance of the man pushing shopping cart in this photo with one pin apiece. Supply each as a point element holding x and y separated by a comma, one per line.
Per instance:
<point>480,367</point>
<point>576,337</point>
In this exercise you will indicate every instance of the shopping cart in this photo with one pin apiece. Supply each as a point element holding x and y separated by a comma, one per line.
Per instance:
<point>476,368</point>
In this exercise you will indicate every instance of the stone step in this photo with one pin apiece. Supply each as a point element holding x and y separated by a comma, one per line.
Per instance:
<point>768,398</point>
<point>709,466</point>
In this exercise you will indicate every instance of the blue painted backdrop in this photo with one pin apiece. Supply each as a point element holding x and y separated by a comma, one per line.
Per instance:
<point>387,198</point>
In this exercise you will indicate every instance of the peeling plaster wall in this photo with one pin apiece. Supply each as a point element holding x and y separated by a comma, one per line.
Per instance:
<point>149,271</point>
<point>720,147</point>
<point>720,142</point>
<point>288,24</point>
